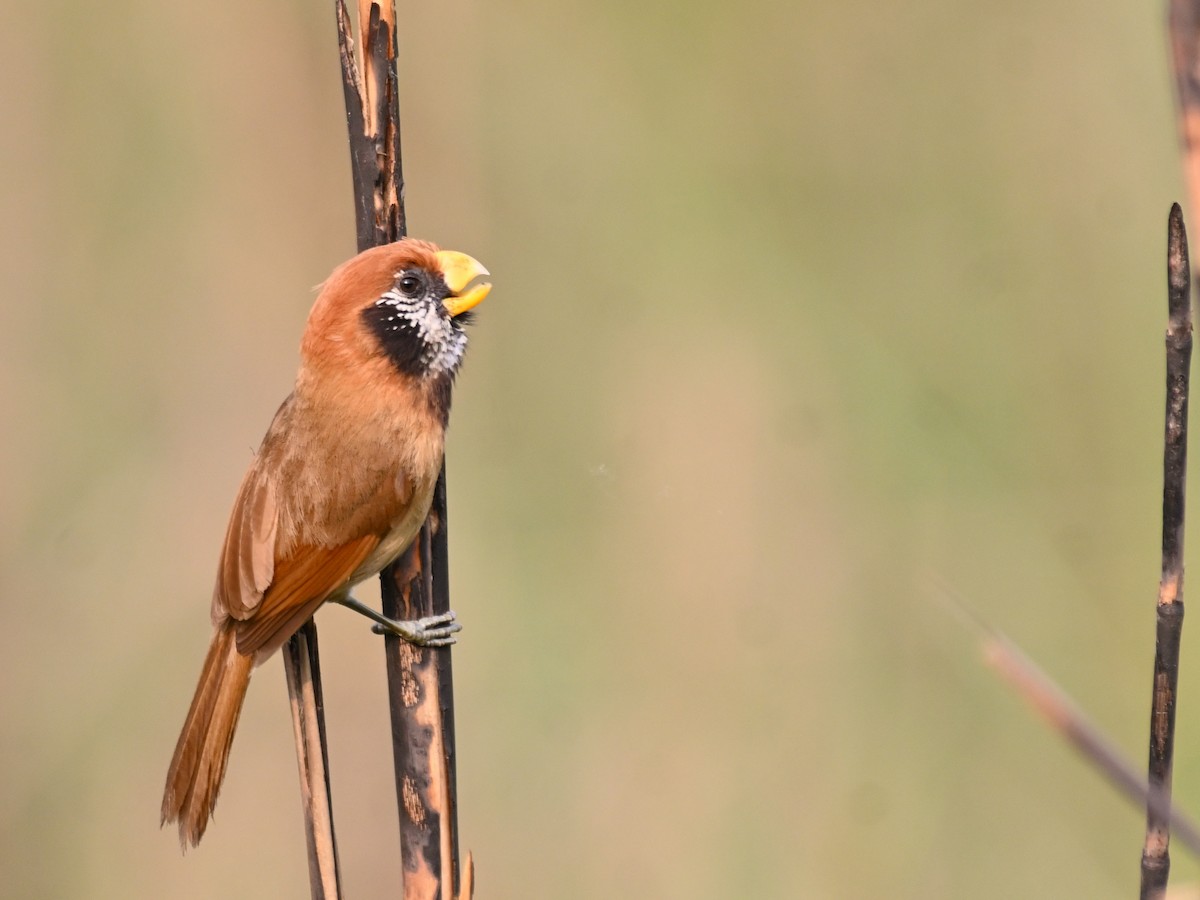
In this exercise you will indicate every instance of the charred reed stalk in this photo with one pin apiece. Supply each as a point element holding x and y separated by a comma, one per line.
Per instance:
<point>1156,860</point>
<point>420,687</point>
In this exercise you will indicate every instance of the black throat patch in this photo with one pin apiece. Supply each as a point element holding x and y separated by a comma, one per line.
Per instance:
<point>399,339</point>
<point>420,342</point>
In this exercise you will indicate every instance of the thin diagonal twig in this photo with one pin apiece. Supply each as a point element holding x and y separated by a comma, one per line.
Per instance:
<point>1067,720</point>
<point>1058,710</point>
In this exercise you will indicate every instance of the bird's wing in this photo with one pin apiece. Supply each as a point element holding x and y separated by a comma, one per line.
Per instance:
<point>270,583</point>
<point>248,557</point>
<point>303,581</point>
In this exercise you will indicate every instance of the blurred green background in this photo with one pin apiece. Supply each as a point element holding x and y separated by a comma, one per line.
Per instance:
<point>797,306</point>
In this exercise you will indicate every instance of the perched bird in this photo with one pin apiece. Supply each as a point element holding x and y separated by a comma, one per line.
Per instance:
<point>338,489</point>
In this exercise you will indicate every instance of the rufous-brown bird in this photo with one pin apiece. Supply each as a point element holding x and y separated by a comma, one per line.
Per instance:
<point>338,489</point>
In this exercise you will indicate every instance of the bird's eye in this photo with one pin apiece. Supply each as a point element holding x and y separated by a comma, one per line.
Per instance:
<point>410,285</point>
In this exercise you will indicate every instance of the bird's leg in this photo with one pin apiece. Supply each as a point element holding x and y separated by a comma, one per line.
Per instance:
<point>431,631</point>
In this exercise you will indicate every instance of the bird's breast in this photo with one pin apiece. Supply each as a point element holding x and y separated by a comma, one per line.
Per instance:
<point>341,472</point>
<point>401,534</point>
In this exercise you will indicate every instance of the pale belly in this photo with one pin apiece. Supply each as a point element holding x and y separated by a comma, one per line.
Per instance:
<point>396,541</point>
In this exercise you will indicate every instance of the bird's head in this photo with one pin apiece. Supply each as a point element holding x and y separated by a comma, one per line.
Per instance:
<point>404,303</point>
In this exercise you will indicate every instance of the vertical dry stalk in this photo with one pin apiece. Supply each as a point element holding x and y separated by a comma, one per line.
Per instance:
<point>420,685</point>
<point>422,706</point>
<point>302,666</point>
<point>373,122</point>
<point>1156,860</point>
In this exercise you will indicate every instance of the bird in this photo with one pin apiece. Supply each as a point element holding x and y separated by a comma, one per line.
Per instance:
<point>338,489</point>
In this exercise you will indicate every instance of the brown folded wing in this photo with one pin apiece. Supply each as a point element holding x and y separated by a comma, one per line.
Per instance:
<point>248,557</point>
<point>302,582</point>
<point>270,596</point>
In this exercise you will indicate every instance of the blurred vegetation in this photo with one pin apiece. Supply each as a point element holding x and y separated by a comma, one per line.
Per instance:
<point>795,305</point>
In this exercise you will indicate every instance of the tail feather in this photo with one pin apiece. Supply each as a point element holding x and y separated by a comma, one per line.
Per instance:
<point>198,766</point>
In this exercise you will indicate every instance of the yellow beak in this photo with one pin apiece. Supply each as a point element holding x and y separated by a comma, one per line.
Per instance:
<point>458,270</point>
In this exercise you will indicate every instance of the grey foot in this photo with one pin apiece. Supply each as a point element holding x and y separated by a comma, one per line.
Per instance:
<point>431,631</point>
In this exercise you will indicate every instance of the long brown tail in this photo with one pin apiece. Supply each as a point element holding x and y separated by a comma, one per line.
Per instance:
<point>198,766</point>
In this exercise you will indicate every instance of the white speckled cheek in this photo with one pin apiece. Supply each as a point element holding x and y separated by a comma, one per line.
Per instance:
<point>444,344</point>
<point>430,324</point>
<point>451,353</point>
